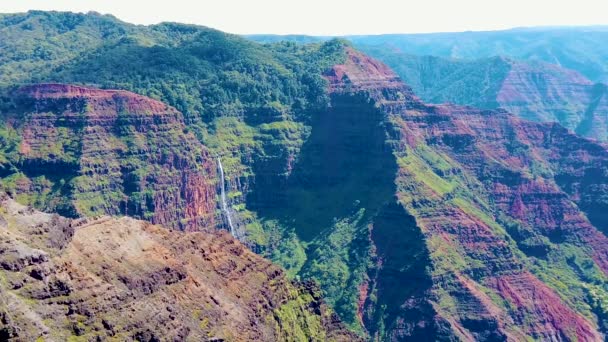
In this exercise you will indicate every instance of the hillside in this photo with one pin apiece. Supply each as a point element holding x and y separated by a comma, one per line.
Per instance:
<point>535,91</point>
<point>418,221</point>
<point>239,99</point>
<point>124,279</point>
<point>85,152</point>
<point>510,213</point>
<point>576,48</point>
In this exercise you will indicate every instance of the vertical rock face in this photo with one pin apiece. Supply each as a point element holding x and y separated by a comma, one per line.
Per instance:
<point>124,279</point>
<point>84,151</point>
<point>420,222</point>
<point>507,212</point>
<point>549,93</point>
<point>532,90</point>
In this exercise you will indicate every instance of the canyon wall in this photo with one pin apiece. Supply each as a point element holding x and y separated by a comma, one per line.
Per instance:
<point>510,212</point>
<point>84,151</point>
<point>419,222</point>
<point>124,279</point>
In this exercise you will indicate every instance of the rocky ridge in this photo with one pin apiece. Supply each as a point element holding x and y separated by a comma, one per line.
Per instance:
<point>532,90</point>
<point>124,279</point>
<point>499,204</point>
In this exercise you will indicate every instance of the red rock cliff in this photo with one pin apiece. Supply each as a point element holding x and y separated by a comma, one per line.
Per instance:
<point>120,278</point>
<point>494,197</point>
<point>112,152</point>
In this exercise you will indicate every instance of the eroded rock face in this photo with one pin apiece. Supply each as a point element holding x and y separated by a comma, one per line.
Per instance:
<point>508,210</point>
<point>420,222</point>
<point>533,90</point>
<point>130,280</point>
<point>85,151</point>
<point>549,93</point>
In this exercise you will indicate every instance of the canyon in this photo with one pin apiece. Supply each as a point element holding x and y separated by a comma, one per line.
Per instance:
<point>489,194</point>
<point>85,151</point>
<point>417,221</point>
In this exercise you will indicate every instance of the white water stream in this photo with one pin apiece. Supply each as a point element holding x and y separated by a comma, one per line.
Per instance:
<point>223,197</point>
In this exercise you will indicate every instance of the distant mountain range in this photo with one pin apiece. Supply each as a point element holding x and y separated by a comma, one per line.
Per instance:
<point>541,74</point>
<point>533,90</point>
<point>577,48</point>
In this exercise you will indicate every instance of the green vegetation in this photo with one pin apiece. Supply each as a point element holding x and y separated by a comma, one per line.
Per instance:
<point>240,99</point>
<point>202,72</point>
<point>441,80</point>
<point>298,324</point>
<point>328,188</point>
<point>575,48</point>
<point>339,259</point>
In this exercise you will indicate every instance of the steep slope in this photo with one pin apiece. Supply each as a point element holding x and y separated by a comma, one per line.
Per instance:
<point>249,104</point>
<point>84,151</point>
<point>404,224</point>
<point>419,222</point>
<point>545,92</point>
<point>595,117</point>
<point>532,90</point>
<point>509,240</point>
<point>442,80</point>
<point>416,229</point>
<point>124,279</point>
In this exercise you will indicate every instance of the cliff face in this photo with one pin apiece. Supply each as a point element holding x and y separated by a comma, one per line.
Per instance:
<point>419,222</point>
<point>83,151</point>
<point>510,213</point>
<point>532,90</point>
<point>129,280</point>
<point>549,93</point>
<point>498,202</point>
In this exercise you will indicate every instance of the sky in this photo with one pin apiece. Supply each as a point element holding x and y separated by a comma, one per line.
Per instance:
<point>337,17</point>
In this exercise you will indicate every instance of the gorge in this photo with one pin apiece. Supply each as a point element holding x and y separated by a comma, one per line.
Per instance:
<point>417,221</point>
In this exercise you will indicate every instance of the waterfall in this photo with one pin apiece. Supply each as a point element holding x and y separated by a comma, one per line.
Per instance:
<point>223,197</point>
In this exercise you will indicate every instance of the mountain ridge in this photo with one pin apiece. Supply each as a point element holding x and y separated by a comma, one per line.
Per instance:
<point>418,221</point>
<point>532,90</point>
<point>126,279</point>
<point>437,139</point>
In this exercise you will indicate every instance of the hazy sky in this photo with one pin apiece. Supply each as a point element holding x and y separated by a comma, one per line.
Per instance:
<point>337,17</point>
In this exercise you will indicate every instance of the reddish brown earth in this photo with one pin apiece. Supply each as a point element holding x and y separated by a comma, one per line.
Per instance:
<point>112,152</point>
<point>483,226</point>
<point>124,279</point>
<point>361,72</point>
<point>550,93</point>
<point>551,86</point>
<point>103,102</point>
<point>531,297</point>
<point>494,197</point>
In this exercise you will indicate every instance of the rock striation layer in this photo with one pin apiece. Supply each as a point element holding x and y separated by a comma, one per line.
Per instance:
<point>85,151</point>
<point>124,279</point>
<point>532,90</point>
<point>420,222</point>
<point>510,213</point>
